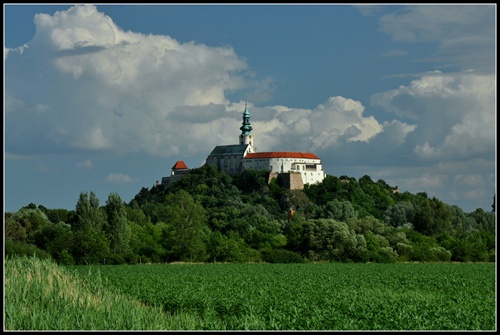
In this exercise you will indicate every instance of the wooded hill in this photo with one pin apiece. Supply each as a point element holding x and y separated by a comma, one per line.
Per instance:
<point>209,216</point>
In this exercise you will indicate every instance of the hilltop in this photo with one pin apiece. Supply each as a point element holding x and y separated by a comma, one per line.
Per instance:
<point>210,216</point>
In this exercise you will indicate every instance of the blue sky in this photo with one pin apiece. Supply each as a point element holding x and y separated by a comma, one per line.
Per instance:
<point>106,98</point>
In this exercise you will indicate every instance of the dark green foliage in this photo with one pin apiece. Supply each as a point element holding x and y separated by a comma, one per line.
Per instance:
<point>146,242</point>
<point>338,210</point>
<point>24,224</point>
<point>251,180</point>
<point>281,256</point>
<point>117,229</point>
<point>13,248</point>
<point>13,230</point>
<point>228,248</point>
<point>426,248</point>
<point>401,214</point>
<point>209,216</point>
<point>295,233</point>
<point>57,240</point>
<point>278,193</point>
<point>433,217</point>
<point>187,230</point>
<point>485,221</point>
<point>367,198</point>
<point>331,240</point>
<point>380,243</point>
<point>59,215</point>
<point>88,213</point>
<point>90,246</point>
<point>473,247</point>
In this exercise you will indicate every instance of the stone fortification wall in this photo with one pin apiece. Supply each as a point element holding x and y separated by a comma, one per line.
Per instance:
<point>290,180</point>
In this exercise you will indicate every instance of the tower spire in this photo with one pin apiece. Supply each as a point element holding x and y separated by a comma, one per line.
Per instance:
<point>246,129</point>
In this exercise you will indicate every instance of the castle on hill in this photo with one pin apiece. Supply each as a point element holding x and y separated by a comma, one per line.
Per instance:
<point>295,169</point>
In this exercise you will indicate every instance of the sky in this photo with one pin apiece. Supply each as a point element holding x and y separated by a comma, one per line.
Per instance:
<point>106,98</point>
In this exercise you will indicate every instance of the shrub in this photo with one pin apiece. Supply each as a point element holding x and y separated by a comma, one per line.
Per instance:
<point>115,259</point>
<point>441,254</point>
<point>281,256</point>
<point>24,249</point>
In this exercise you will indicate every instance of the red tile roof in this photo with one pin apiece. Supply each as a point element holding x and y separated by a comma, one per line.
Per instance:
<point>282,154</point>
<point>179,166</point>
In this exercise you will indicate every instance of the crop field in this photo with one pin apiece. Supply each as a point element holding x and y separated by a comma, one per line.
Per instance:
<point>326,296</point>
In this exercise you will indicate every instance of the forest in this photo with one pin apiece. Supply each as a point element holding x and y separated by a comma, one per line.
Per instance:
<point>210,216</point>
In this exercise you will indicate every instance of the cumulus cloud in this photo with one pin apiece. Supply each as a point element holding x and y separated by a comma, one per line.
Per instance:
<point>128,92</point>
<point>330,125</point>
<point>83,84</point>
<point>454,112</point>
<point>105,89</point>
<point>462,33</point>
<point>119,178</point>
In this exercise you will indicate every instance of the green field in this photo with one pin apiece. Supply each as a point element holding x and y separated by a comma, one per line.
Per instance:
<point>326,296</point>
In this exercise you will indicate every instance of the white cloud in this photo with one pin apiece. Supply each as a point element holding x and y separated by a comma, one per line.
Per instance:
<point>437,22</point>
<point>426,181</point>
<point>87,165</point>
<point>469,180</point>
<point>84,85</point>
<point>463,33</point>
<point>128,92</point>
<point>454,113</point>
<point>341,114</point>
<point>110,89</point>
<point>119,178</point>
<point>336,121</point>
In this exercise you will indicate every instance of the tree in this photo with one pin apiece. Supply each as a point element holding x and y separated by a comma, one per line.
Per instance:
<point>90,246</point>
<point>333,240</point>
<point>56,239</point>
<point>59,215</point>
<point>251,180</point>
<point>258,227</point>
<point>13,230</point>
<point>117,230</point>
<point>433,217</point>
<point>88,212</point>
<point>231,248</point>
<point>188,229</point>
<point>295,233</point>
<point>24,224</point>
<point>401,214</point>
<point>339,210</point>
<point>146,241</point>
<point>485,221</point>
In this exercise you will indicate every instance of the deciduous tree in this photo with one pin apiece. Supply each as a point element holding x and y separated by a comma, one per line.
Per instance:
<point>117,228</point>
<point>88,213</point>
<point>188,229</point>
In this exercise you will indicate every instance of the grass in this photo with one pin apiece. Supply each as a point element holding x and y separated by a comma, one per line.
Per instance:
<point>40,295</point>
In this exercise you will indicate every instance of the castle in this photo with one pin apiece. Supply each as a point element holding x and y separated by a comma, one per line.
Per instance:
<point>294,168</point>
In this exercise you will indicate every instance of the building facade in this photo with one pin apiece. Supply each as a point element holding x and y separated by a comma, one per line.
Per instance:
<point>294,169</point>
<point>306,164</point>
<point>239,157</point>
<point>178,171</point>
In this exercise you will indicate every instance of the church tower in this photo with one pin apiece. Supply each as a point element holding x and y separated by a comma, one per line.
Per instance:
<point>246,137</point>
